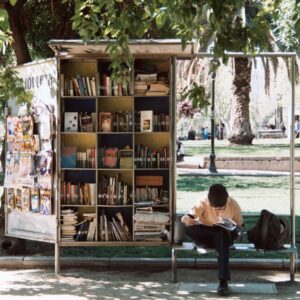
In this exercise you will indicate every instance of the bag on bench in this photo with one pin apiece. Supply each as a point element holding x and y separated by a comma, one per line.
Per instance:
<point>270,231</point>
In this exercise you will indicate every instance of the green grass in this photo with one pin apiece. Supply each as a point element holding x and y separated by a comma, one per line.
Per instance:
<point>260,148</point>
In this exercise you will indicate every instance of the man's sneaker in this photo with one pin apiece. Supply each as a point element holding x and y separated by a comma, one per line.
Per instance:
<point>223,288</point>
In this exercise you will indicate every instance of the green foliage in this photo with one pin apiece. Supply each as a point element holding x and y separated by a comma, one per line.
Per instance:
<point>5,38</point>
<point>119,20</point>
<point>43,20</point>
<point>197,95</point>
<point>12,87</point>
<point>286,24</point>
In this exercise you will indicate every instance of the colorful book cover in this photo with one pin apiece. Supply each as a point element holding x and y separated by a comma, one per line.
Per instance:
<point>18,128</point>
<point>18,203</point>
<point>105,122</point>
<point>68,157</point>
<point>25,199</point>
<point>34,200</point>
<point>71,121</point>
<point>110,159</point>
<point>45,205</point>
<point>27,127</point>
<point>10,127</point>
<point>86,122</point>
<point>146,121</point>
<point>10,198</point>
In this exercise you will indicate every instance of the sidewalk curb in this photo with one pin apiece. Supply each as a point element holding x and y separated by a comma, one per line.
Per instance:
<point>27,262</point>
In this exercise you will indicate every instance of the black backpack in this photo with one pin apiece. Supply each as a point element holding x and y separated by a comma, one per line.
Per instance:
<point>270,231</point>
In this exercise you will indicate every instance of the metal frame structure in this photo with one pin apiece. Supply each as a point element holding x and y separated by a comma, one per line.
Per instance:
<point>172,49</point>
<point>292,57</point>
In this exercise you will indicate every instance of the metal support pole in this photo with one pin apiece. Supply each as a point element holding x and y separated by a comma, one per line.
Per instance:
<point>212,165</point>
<point>292,168</point>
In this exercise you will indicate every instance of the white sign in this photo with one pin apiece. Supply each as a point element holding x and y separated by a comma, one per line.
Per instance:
<point>40,77</point>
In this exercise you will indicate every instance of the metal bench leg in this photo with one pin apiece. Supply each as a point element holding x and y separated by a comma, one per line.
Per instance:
<point>174,266</point>
<point>293,265</point>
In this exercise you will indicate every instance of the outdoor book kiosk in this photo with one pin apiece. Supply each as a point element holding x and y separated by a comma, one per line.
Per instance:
<point>93,161</point>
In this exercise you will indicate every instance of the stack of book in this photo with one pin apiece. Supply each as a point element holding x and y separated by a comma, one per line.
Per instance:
<point>158,89</point>
<point>69,221</point>
<point>148,85</point>
<point>149,225</point>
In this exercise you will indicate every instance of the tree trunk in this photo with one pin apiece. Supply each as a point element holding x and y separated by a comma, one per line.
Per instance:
<point>240,118</point>
<point>19,44</point>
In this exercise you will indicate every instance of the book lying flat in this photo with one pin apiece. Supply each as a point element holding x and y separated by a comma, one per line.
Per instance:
<point>227,223</point>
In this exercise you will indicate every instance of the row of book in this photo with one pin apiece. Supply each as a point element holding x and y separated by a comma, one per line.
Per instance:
<point>111,87</point>
<point>79,122</point>
<point>120,121</point>
<point>148,158</point>
<point>113,191</point>
<point>70,158</point>
<point>114,228</point>
<point>150,195</point>
<point>147,121</point>
<point>78,193</point>
<point>29,200</point>
<point>78,86</point>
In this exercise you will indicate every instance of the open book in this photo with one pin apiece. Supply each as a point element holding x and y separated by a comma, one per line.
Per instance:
<point>227,223</point>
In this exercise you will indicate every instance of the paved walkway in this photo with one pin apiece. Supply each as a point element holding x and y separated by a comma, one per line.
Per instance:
<point>127,284</point>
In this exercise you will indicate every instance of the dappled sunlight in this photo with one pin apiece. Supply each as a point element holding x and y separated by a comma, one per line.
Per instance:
<point>114,285</point>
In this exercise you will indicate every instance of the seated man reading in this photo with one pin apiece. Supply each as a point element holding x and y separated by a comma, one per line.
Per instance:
<point>201,226</point>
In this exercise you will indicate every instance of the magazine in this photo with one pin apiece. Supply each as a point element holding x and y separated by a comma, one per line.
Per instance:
<point>227,223</point>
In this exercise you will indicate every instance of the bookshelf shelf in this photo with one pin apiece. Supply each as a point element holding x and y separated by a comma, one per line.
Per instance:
<point>116,133</point>
<point>77,205</point>
<point>115,206</point>
<point>77,133</point>
<point>78,97</point>
<point>78,169</point>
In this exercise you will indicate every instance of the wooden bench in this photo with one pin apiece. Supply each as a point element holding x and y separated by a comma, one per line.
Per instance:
<point>247,247</point>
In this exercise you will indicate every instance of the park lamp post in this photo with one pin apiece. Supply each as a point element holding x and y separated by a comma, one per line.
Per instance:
<point>212,164</point>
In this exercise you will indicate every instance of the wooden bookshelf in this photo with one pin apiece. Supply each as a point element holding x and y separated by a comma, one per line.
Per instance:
<point>116,110</point>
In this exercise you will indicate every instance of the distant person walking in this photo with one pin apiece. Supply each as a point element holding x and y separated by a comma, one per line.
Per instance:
<point>283,128</point>
<point>297,128</point>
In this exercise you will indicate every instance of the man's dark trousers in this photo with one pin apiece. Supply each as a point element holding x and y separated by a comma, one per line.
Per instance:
<point>213,237</point>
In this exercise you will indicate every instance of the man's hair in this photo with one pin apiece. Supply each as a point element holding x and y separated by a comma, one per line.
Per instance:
<point>217,195</point>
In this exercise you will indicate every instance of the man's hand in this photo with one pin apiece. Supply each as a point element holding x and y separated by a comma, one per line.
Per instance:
<point>187,220</point>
